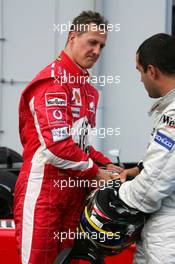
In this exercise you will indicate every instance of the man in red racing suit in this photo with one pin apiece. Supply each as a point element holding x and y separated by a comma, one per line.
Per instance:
<point>55,118</point>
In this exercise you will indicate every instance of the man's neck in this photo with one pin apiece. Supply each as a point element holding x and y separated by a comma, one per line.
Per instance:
<point>166,85</point>
<point>68,52</point>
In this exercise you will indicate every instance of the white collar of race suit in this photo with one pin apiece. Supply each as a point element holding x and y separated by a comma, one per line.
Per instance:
<point>163,102</point>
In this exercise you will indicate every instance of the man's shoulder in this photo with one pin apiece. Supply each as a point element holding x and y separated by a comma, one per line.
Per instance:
<point>46,73</point>
<point>167,118</point>
<point>169,109</point>
<point>50,73</point>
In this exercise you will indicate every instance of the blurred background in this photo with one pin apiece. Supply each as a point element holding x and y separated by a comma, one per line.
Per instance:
<point>30,39</point>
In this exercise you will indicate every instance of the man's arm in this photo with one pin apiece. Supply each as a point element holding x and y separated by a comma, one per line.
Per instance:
<point>157,179</point>
<point>98,157</point>
<point>132,172</point>
<point>101,160</point>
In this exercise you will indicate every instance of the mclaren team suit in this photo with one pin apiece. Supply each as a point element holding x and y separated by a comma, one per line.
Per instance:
<point>153,190</point>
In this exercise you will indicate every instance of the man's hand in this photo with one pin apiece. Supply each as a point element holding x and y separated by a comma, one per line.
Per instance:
<point>113,167</point>
<point>128,173</point>
<point>106,175</point>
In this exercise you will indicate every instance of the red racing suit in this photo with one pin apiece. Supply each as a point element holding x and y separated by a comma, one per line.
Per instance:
<point>57,110</point>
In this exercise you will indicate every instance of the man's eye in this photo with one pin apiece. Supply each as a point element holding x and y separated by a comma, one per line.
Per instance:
<point>92,42</point>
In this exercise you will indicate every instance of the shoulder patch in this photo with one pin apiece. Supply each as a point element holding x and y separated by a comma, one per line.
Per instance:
<point>164,140</point>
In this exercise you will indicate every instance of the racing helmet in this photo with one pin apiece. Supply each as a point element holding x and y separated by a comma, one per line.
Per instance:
<point>108,223</point>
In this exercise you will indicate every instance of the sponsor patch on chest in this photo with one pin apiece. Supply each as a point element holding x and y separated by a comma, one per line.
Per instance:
<point>76,97</point>
<point>75,112</point>
<point>56,115</point>
<point>168,120</point>
<point>91,103</point>
<point>56,99</point>
<point>59,134</point>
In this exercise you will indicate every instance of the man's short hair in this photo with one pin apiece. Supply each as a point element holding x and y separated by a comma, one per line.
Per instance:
<point>81,23</point>
<point>158,50</point>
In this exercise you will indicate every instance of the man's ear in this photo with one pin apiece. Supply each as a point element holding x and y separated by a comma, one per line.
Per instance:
<point>153,71</point>
<point>71,37</point>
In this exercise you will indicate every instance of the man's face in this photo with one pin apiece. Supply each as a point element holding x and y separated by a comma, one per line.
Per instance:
<point>148,78</point>
<point>86,48</point>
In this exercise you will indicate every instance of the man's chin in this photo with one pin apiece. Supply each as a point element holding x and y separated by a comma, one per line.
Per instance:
<point>154,96</point>
<point>89,65</point>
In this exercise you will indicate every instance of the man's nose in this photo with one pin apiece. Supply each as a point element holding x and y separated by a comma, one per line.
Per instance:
<point>97,50</point>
